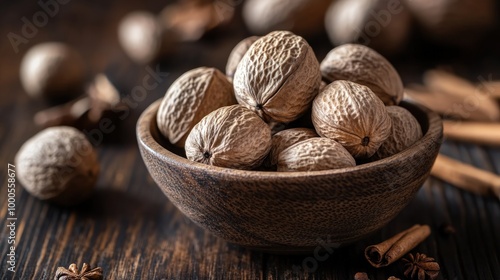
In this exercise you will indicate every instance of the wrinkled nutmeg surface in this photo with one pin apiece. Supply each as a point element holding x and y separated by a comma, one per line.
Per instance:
<point>58,164</point>
<point>231,136</point>
<point>278,77</point>
<point>191,97</point>
<point>404,132</point>
<point>352,115</point>
<point>287,138</point>
<point>362,65</point>
<point>237,54</point>
<point>315,154</point>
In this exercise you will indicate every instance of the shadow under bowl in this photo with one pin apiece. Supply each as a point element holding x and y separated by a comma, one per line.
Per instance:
<point>290,211</point>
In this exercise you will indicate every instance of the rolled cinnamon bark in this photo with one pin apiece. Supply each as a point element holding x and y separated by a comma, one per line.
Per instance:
<point>471,99</point>
<point>466,176</point>
<point>473,132</point>
<point>389,251</point>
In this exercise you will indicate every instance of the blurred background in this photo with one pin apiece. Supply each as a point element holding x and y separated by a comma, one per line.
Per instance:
<point>122,38</point>
<point>117,57</point>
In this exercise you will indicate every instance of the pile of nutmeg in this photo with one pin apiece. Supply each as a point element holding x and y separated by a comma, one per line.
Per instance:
<point>279,108</point>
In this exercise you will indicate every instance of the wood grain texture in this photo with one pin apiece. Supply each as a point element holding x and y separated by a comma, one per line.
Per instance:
<point>290,211</point>
<point>132,231</point>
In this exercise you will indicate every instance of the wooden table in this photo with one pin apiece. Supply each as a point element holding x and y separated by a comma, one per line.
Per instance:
<point>130,229</point>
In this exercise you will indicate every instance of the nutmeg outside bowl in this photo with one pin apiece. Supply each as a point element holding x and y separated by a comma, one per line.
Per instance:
<point>290,211</point>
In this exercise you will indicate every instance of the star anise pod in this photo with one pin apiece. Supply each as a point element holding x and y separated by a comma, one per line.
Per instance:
<point>72,273</point>
<point>420,267</point>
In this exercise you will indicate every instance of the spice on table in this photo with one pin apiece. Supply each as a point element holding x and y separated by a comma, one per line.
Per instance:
<point>480,133</point>
<point>361,276</point>
<point>471,97</point>
<point>455,97</point>
<point>72,273</point>
<point>66,114</point>
<point>466,177</point>
<point>101,97</point>
<point>447,105</point>
<point>420,267</point>
<point>389,251</point>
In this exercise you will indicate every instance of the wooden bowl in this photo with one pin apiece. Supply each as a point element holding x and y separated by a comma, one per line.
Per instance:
<point>290,211</point>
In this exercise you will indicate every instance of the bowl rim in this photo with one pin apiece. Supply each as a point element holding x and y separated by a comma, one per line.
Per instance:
<point>145,138</point>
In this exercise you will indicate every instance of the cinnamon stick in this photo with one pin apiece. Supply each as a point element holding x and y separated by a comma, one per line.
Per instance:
<point>471,99</point>
<point>389,251</point>
<point>439,103</point>
<point>473,132</point>
<point>446,105</point>
<point>466,177</point>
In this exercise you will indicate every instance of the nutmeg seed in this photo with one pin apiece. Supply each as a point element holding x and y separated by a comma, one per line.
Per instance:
<point>143,38</point>
<point>190,98</point>
<point>300,16</point>
<point>278,77</point>
<point>52,70</point>
<point>362,65</point>
<point>352,115</point>
<point>287,138</point>
<point>315,154</point>
<point>231,136</point>
<point>237,53</point>
<point>58,164</point>
<point>381,24</point>
<point>405,131</point>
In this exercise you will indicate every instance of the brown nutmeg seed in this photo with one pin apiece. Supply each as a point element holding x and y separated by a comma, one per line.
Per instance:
<point>278,77</point>
<point>352,115</point>
<point>58,164</point>
<point>315,154</point>
<point>190,98</point>
<point>144,38</point>
<point>52,70</point>
<point>362,65</point>
<point>231,136</point>
<point>404,132</point>
<point>383,25</point>
<point>287,138</point>
<point>299,16</point>
<point>237,54</point>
